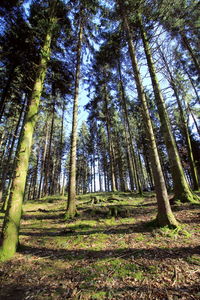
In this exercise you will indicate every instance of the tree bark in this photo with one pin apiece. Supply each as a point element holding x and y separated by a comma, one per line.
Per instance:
<point>184,127</point>
<point>11,225</point>
<point>181,188</point>
<point>71,204</point>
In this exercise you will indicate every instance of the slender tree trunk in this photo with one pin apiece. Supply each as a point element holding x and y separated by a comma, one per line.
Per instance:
<point>94,172</point>
<point>43,160</point>
<point>48,160</point>
<point>112,171</point>
<point>192,83</point>
<point>99,171</point>
<point>181,188</point>
<point>129,160</point>
<point>11,225</point>
<point>195,122</point>
<point>35,186</point>
<point>61,148</point>
<point>129,134</point>
<point>71,204</point>
<point>165,215</point>
<point>149,171</point>
<point>191,52</point>
<point>30,186</point>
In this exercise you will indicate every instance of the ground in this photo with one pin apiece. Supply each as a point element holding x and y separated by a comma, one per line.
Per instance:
<point>109,251</point>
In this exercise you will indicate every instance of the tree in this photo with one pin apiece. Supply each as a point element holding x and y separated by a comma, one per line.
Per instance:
<point>10,231</point>
<point>181,188</point>
<point>85,8</point>
<point>165,215</point>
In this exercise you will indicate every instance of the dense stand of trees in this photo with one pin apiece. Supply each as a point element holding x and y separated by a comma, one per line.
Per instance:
<point>139,61</point>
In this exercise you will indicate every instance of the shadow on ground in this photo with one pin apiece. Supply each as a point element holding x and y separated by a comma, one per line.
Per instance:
<point>151,253</point>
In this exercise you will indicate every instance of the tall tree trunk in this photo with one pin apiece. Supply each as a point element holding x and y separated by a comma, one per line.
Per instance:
<point>184,126</point>
<point>112,171</point>
<point>11,225</point>
<point>11,154</point>
<point>99,172</point>
<point>61,148</point>
<point>43,161</point>
<point>48,160</point>
<point>129,134</point>
<point>148,168</point>
<point>165,215</point>
<point>181,188</point>
<point>71,204</point>
<point>36,176</point>
<point>94,172</point>
<point>132,175</point>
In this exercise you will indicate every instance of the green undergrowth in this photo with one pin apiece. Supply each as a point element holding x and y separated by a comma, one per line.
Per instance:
<point>111,269</point>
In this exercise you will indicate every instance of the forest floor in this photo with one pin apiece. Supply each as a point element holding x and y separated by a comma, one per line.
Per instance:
<point>109,251</point>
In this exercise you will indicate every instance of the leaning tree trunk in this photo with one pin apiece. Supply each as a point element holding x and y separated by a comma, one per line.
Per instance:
<point>11,225</point>
<point>192,83</point>
<point>181,188</point>
<point>71,203</point>
<point>194,120</point>
<point>165,215</point>
<point>187,46</point>
<point>184,126</point>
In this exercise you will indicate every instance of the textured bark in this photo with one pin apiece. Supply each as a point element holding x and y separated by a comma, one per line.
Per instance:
<point>165,215</point>
<point>11,225</point>
<point>71,204</point>
<point>181,188</point>
<point>12,153</point>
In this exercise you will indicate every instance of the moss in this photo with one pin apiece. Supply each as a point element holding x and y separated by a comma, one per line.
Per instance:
<point>69,215</point>
<point>99,295</point>
<point>186,197</point>
<point>174,233</point>
<point>152,269</point>
<point>139,238</point>
<point>122,244</point>
<point>194,259</point>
